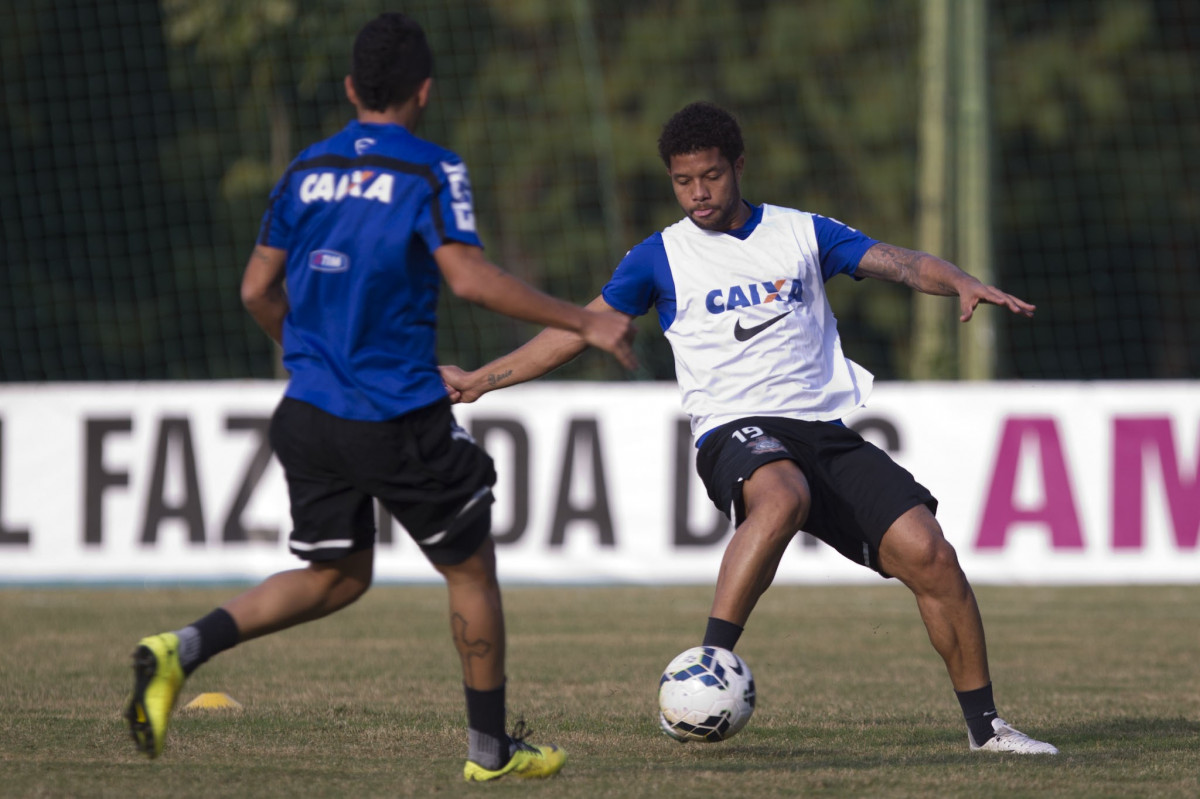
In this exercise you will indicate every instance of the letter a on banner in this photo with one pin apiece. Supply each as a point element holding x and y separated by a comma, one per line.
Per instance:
<point>583,434</point>
<point>1057,511</point>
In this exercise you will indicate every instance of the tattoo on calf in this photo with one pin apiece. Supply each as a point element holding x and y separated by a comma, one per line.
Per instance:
<point>468,649</point>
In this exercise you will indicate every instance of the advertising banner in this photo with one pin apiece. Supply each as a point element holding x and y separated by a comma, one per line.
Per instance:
<point>175,482</point>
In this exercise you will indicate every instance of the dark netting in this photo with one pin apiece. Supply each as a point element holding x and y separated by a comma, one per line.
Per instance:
<point>139,139</point>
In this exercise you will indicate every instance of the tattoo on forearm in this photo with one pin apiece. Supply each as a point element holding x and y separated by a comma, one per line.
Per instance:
<point>495,379</point>
<point>468,650</point>
<point>918,270</point>
<point>896,263</point>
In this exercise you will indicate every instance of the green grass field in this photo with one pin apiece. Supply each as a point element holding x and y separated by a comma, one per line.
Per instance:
<point>852,699</point>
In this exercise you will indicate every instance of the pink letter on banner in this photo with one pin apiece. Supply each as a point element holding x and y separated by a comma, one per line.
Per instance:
<point>1131,439</point>
<point>1057,512</point>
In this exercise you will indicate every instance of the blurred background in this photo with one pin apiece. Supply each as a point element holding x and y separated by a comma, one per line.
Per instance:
<point>1049,146</point>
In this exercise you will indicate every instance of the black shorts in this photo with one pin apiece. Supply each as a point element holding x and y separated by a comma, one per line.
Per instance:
<point>424,469</point>
<point>858,491</point>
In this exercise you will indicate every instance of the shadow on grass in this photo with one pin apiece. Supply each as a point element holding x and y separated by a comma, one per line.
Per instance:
<point>1128,736</point>
<point>1112,741</point>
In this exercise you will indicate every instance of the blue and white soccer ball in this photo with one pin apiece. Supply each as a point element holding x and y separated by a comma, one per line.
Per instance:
<point>705,694</point>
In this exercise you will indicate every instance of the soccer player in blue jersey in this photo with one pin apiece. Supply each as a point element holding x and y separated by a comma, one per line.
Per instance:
<point>360,230</point>
<point>739,291</point>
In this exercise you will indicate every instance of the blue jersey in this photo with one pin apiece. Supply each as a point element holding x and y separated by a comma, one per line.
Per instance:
<point>360,215</point>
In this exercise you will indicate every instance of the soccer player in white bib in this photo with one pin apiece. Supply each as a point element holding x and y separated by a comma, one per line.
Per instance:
<point>739,292</point>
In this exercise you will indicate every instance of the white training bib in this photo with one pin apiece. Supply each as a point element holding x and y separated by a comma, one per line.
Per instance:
<point>753,333</point>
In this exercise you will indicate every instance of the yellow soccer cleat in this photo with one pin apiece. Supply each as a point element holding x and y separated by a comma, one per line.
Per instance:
<point>157,678</point>
<point>528,761</point>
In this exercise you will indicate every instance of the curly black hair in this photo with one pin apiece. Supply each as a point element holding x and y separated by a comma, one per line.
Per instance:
<point>699,126</point>
<point>391,60</point>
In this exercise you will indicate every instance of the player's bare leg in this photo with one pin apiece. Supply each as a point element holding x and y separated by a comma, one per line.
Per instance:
<point>162,662</point>
<point>292,597</point>
<point>477,617</point>
<point>915,552</point>
<point>477,624</point>
<point>777,500</point>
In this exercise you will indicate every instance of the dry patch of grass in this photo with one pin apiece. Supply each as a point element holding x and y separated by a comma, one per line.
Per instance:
<point>853,700</point>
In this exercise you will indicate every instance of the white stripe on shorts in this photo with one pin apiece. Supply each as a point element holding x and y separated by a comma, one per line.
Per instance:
<point>341,543</point>
<point>437,537</point>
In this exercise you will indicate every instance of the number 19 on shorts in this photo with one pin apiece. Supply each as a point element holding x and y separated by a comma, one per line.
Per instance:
<point>747,433</point>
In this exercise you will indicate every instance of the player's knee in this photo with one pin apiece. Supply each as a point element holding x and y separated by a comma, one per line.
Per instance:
<point>474,571</point>
<point>344,581</point>
<point>790,511</point>
<point>781,507</point>
<point>791,521</point>
<point>349,590</point>
<point>942,559</point>
<point>775,528</point>
<point>468,552</point>
<point>934,562</point>
<point>920,556</point>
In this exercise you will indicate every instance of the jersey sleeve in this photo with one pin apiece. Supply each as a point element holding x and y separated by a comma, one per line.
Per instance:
<point>450,214</point>
<point>840,247</point>
<point>633,287</point>
<point>276,227</point>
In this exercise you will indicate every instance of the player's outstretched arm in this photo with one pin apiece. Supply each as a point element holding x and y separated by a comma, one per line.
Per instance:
<point>542,354</point>
<point>474,278</point>
<point>932,275</point>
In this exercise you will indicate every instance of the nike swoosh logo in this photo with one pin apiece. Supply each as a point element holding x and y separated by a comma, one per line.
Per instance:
<point>747,333</point>
<point>737,669</point>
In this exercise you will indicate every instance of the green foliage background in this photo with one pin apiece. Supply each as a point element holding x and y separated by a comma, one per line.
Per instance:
<point>139,139</point>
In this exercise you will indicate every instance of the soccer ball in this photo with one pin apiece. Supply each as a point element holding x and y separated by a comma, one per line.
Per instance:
<point>705,694</point>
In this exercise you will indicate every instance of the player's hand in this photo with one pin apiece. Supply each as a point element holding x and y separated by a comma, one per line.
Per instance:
<point>457,383</point>
<point>612,332</point>
<point>978,292</point>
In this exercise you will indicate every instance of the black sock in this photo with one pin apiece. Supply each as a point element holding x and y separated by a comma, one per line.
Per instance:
<point>979,708</point>
<point>488,742</point>
<point>206,637</point>
<point>721,633</point>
